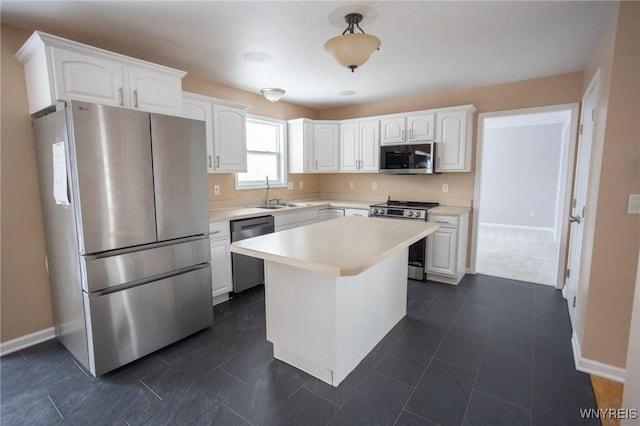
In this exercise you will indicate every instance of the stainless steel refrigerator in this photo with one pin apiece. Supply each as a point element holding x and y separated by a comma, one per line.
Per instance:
<point>125,204</point>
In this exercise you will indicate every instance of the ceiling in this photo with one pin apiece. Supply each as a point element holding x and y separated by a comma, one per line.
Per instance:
<point>427,46</point>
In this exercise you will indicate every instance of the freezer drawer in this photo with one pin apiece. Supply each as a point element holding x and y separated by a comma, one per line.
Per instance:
<point>129,324</point>
<point>105,272</point>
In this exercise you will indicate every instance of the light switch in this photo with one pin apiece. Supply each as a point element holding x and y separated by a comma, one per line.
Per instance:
<point>352,185</point>
<point>290,186</point>
<point>374,186</point>
<point>634,204</point>
<point>301,184</point>
<point>445,187</point>
<point>216,189</point>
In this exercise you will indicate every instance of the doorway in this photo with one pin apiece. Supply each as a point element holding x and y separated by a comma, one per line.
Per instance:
<point>524,165</point>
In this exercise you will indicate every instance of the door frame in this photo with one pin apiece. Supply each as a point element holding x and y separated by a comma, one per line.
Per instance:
<point>566,186</point>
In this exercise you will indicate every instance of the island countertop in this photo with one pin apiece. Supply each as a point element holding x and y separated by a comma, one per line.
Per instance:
<point>345,246</point>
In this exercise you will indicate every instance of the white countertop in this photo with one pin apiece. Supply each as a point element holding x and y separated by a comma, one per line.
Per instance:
<point>234,213</point>
<point>449,210</point>
<point>343,247</point>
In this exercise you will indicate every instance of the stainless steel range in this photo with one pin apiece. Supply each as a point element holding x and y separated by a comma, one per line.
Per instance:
<point>408,210</point>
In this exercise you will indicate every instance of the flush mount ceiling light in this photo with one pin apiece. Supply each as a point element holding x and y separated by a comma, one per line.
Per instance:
<point>273,94</point>
<point>351,49</point>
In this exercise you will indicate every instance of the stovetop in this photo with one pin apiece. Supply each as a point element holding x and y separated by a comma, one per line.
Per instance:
<point>413,210</point>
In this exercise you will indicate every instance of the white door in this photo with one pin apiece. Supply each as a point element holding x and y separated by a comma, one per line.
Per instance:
<point>579,202</point>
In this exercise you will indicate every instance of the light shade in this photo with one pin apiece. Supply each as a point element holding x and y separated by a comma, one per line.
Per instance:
<point>352,50</point>
<point>273,94</point>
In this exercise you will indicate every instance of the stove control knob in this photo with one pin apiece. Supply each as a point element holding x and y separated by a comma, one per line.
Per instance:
<point>381,211</point>
<point>374,211</point>
<point>418,214</point>
<point>410,213</point>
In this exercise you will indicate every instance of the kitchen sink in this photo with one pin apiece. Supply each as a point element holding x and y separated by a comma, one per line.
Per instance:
<point>272,207</point>
<point>299,204</point>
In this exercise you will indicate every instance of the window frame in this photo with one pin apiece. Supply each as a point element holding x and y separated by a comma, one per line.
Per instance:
<point>281,154</point>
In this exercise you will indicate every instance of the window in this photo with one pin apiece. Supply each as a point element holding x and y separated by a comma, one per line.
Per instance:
<point>265,154</point>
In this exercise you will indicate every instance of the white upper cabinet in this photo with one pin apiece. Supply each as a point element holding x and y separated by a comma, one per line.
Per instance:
<point>225,131</point>
<point>359,146</point>
<point>195,108</point>
<point>407,128</point>
<point>229,138</point>
<point>453,138</point>
<point>57,69</point>
<point>314,146</point>
<point>326,142</point>
<point>155,91</point>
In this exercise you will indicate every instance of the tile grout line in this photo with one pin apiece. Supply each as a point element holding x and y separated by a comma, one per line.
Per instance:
<point>56,407</point>
<point>151,390</point>
<point>80,368</point>
<point>419,416</point>
<point>236,413</point>
<point>393,380</point>
<point>500,399</point>
<point>282,403</point>
<point>320,396</point>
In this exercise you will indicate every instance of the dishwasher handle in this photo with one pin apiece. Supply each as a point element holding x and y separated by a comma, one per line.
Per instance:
<point>248,228</point>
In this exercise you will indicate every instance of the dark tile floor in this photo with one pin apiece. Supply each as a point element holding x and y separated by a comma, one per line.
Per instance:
<point>489,351</point>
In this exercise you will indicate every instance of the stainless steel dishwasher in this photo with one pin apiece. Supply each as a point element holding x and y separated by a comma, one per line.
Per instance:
<point>248,271</point>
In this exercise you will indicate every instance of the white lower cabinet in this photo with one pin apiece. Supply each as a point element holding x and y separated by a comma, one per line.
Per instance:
<point>220,242</point>
<point>282,222</point>
<point>447,248</point>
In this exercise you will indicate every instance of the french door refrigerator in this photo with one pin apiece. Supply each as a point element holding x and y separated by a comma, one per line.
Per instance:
<point>125,206</point>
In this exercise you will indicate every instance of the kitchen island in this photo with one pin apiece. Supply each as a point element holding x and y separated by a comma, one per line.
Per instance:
<point>333,289</point>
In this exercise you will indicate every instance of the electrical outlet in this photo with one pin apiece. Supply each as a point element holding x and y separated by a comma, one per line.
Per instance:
<point>301,185</point>
<point>533,213</point>
<point>290,186</point>
<point>374,186</point>
<point>352,185</point>
<point>634,204</point>
<point>216,189</point>
<point>445,187</point>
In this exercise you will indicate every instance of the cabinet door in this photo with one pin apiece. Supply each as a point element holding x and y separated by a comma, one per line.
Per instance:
<point>421,127</point>
<point>87,78</point>
<point>200,110</point>
<point>392,130</point>
<point>326,147</point>
<point>369,146</point>
<point>307,148</point>
<point>221,267</point>
<point>451,148</point>
<point>229,139</point>
<point>155,91</point>
<point>349,147</point>
<point>441,251</point>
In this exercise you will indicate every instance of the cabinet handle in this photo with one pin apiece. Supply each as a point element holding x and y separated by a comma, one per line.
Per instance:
<point>209,161</point>
<point>316,164</point>
<point>135,98</point>
<point>411,134</point>
<point>217,161</point>
<point>403,134</point>
<point>120,96</point>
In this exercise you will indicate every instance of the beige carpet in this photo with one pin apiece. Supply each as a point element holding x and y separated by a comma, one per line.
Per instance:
<point>525,255</point>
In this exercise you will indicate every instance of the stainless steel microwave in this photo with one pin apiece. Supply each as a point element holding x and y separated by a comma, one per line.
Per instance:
<point>409,159</point>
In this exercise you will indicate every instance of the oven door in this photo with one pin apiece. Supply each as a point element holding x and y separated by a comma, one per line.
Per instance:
<point>417,260</point>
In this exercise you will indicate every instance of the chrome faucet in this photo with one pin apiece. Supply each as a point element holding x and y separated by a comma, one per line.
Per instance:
<point>266,197</point>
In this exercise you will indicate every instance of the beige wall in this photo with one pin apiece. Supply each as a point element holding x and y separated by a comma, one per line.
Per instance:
<point>604,320</point>
<point>26,303</point>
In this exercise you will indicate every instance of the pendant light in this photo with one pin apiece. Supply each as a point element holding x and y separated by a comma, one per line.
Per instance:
<point>351,49</point>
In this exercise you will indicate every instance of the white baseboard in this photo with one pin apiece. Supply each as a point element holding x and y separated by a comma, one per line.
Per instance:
<point>26,341</point>
<point>520,227</point>
<point>596,368</point>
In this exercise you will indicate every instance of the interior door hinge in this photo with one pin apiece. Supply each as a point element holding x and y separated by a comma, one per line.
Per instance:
<point>584,208</point>
<point>568,274</point>
<point>574,301</point>
<point>593,114</point>
<point>574,203</point>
